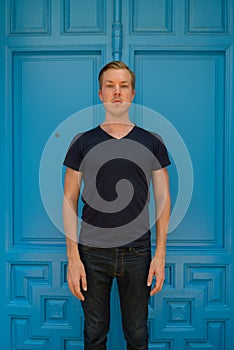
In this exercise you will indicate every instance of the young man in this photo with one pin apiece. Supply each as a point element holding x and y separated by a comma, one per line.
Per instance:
<point>116,161</point>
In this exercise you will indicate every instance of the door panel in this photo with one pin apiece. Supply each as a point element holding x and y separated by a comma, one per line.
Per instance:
<point>183,69</point>
<point>182,52</point>
<point>194,82</point>
<point>46,88</point>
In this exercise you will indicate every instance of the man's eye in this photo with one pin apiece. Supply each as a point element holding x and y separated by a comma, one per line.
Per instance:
<point>124,86</point>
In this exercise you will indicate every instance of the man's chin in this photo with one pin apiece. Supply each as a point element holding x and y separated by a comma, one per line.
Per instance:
<point>117,108</point>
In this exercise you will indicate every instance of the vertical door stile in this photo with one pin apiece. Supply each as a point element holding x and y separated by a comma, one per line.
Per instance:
<point>117,31</point>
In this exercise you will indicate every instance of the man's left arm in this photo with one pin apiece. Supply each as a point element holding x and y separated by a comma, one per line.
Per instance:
<point>160,181</point>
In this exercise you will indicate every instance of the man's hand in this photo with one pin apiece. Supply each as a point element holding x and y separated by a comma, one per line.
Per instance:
<point>157,269</point>
<point>76,278</point>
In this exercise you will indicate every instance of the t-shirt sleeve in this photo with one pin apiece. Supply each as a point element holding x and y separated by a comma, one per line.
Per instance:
<point>74,156</point>
<point>160,152</point>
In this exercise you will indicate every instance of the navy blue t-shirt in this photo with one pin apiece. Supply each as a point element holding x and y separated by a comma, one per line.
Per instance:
<point>116,175</point>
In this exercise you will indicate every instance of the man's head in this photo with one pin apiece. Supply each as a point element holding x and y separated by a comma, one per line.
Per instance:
<point>116,65</point>
<point>116,88</point>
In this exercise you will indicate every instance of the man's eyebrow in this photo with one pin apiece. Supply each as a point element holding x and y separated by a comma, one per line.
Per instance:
<point>111,81</point>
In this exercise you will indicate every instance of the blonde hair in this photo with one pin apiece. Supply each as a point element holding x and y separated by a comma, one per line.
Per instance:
<point>116,65</point>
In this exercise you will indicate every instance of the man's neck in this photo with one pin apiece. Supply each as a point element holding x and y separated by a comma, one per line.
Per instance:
<point>117,129</point>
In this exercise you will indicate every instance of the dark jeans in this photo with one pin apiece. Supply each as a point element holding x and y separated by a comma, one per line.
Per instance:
<point>130,266</point>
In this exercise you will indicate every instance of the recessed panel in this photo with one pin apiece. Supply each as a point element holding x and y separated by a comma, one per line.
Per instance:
<point>212,279</point>
<point>178,313</point>
<point>48,89</point>
<point>84,16</point>
<point>209,16</point>
<point>56,311</point>
<point>56,308</point>
<point>214,337</point>
<point>187,89</point>
<point>30,16</point>
<point>23,278</point>
<point>152,16</point>
<point>22,337</point>
<point>73,344</point>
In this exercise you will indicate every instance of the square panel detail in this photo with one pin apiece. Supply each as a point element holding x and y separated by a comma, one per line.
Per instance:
<point>179,313</point>
<point>152,16</point>
<point>84,16</point>
<point>56,311</point>
<point>30,17</point>
<point>210,16</point>
<point>55,308</point>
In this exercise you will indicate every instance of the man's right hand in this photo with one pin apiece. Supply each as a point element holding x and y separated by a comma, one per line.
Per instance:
<point>76,278</point>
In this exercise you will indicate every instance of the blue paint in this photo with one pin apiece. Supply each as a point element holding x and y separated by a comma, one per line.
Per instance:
<point>117,31</point>
<point>50,55</point>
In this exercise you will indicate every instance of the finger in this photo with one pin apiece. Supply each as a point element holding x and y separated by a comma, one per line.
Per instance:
<point>157,288</point>
<point>75,290</point>
<point>150,278</point>
<point>78,293</point>
<point>84,283</point>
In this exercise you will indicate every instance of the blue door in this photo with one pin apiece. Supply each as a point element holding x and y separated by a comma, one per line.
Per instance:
<point>182,53</point>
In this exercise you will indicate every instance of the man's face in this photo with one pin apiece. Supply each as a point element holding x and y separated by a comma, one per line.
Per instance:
<point>116,91</point>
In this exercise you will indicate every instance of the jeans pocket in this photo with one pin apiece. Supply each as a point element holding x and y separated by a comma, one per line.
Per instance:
<point>142,251</point>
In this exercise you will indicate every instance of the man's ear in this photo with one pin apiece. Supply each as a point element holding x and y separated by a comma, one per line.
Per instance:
<point>133,94</point>
<point>100,94</point>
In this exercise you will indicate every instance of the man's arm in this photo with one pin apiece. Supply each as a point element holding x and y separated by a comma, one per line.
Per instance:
<point>160,182</point>
<point>76,276</point>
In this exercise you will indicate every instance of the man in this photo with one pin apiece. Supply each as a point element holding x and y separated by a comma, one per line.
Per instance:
<point>114,240</point>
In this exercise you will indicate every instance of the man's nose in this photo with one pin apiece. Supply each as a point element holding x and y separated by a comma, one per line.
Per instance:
<point>117,89</point>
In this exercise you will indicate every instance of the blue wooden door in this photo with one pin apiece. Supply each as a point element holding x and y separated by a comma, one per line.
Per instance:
<point>182,53</point>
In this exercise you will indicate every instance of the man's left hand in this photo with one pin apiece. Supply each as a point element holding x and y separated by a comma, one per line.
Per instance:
<point>157,269</point>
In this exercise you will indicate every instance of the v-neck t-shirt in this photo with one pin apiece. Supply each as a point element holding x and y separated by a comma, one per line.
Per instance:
<point>116,174</point>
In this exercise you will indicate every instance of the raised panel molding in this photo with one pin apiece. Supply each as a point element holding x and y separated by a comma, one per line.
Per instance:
<point>210,16</point>
<point>199,295</point>
<point>161,345</point>
<point>30,17</point>
<point>86,17</point>
<point>56,311</point>
<point>169,276</point>
<point>55,308</point>
<point>72,344</point>
<point>22,339</point>
<point>39,304</point>
<point>186,315</point>
<point>213,279</point>
<point>24,277</point>
<point>179,313</point>
<point>215,338</point>
<point>152,16</point>
<point>181,310</point>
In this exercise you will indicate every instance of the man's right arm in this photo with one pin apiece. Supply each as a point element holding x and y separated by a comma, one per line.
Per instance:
<point>76,276</point>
